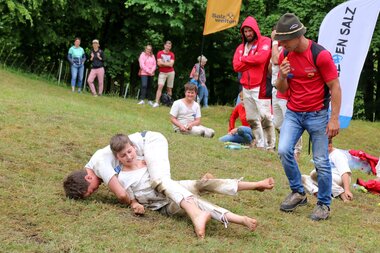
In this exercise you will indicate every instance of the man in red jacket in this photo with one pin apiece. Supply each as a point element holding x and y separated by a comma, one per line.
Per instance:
<point>251,58</point>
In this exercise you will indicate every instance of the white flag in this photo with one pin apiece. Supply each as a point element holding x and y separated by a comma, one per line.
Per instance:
<point>346,32</point>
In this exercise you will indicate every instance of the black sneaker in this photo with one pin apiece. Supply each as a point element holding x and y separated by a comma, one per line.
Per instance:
<point>293,200</point>
<point>320,212</point>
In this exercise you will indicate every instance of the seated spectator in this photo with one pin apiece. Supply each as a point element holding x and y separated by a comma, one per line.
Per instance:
<point>341,176</point>
<point>242,134</point>
<point>185,114</point>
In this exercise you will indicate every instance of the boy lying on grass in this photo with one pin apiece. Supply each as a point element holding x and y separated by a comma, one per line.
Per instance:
<point>341,176</point>
<point>143,183</point>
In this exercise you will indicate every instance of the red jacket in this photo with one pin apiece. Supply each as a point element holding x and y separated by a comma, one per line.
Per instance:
<point>372,160</point>
<point>371,185</point>
<point>254,66</point>
<point>239,111</point>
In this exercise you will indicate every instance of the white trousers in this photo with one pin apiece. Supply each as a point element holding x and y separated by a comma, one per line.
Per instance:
<point>279,110</point>
<point>258,112</point>
<point>310,183</point>
<point>196,187</point>
<point>157,160</point>
<point>202,131</point>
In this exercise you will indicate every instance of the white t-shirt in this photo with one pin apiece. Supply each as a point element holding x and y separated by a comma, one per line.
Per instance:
<point>185,114</point>
<point>104,163</point>
<point>275,69</point>
<point>137,185</point>
<point>339,163</point>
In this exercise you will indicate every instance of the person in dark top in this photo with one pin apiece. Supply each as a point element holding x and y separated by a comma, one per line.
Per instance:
<point>97,68</point>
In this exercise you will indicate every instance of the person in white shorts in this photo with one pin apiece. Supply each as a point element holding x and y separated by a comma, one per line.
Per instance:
<point>185,114</point>
<point>165,62</point>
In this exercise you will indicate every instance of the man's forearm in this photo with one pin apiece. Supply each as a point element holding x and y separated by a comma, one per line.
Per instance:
<point>336,99</point>
<point>282,84</point>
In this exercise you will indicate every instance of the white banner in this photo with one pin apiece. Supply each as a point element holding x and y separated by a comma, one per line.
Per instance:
<point>346,32</point>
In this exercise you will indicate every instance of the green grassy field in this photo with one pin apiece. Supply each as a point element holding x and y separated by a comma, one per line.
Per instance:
<point>46,132</point>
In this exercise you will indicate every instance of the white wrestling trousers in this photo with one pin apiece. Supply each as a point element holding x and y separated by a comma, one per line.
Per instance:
<point>157,160</point>
<point>188,190</point>
<point>310,183</point>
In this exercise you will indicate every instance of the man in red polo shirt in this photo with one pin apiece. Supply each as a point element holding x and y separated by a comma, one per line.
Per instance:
<point>310,85</point>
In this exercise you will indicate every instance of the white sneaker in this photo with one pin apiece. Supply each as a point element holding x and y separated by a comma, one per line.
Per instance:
<point>155,105</point>
<point>150,103</point>
<point>141,102</point>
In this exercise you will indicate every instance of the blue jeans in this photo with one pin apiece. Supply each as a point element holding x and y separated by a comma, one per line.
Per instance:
<point>146,87</point>
<point>77,71</point>
<point>203,95</point>
<point>295,123</point>
<point>243,135</point>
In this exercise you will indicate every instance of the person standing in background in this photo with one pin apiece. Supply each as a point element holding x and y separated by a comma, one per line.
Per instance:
<point>97,68</point>
<point>165,62</point>
<point>76,57</point>
<point>148,66</point>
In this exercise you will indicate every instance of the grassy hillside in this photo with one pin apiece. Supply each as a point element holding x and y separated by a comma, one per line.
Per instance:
<point>46,132</point>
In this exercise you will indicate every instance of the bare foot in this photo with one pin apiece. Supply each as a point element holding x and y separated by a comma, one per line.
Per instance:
<point>265,184</point>
<point>250,223</point>
<point>208,176</point>
<point>199,221</point>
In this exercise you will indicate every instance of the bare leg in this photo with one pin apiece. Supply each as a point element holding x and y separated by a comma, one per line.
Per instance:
<point>197,216</point>
<point>169,91</point>
<point>266,184</point>
<point>159,93</point>
<point>262,185</point>
<point>250,223</point>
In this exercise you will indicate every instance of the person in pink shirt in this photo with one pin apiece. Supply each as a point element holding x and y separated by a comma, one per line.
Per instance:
<point>148,66</point>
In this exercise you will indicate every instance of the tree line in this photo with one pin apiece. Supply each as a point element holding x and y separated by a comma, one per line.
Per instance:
<point>36,32</point>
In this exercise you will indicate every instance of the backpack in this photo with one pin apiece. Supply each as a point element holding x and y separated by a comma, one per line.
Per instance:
<point>166,100</point>
<point>315,50</point>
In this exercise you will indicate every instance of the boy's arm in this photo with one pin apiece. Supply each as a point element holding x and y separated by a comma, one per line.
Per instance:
<point>119,191</point>
<point>346,186</point>
<point>136,207</point>
<point>196,122</point>
<point>176,122</point>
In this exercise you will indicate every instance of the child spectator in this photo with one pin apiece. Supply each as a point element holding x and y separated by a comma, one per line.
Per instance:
<point>185,114</point>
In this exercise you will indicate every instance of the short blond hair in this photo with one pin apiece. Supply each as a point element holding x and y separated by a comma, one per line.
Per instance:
<point>202,58</point>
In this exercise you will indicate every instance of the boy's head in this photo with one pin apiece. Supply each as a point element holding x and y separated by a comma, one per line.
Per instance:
<point>81,184</point>
<point>190,91</point>
<point>123,149</point>
<point>118,143</point>
<point>191,87</point>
